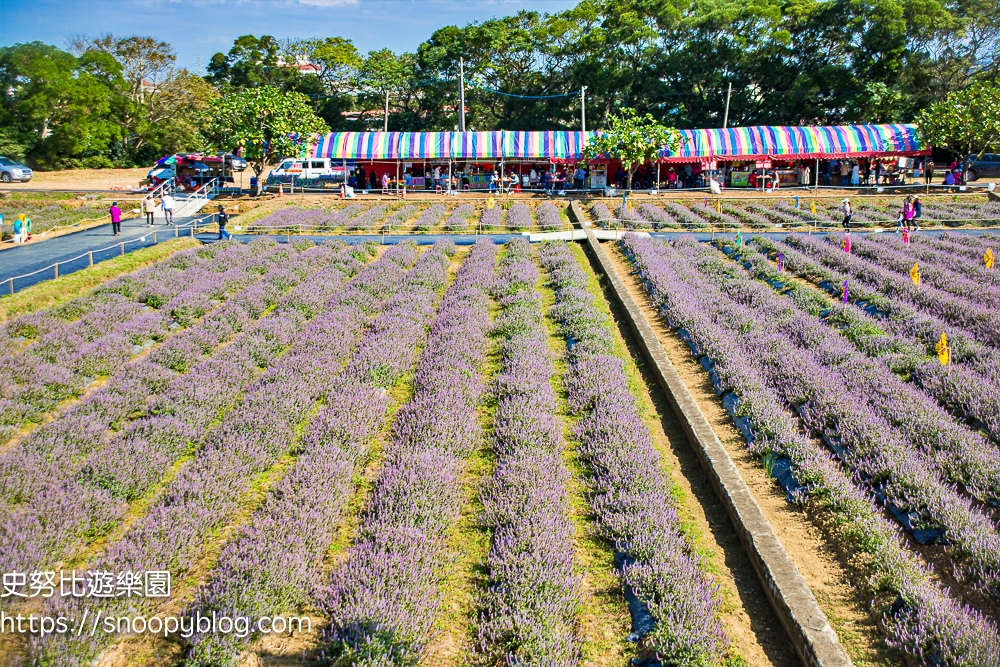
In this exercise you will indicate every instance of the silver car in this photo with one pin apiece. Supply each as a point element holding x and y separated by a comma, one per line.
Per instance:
<point>12,171</point>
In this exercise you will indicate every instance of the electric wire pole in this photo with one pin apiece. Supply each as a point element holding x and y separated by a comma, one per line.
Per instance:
<point>386,126</point>
<point>729,92</point>
<point>461,95</point>
<point>583,109</point>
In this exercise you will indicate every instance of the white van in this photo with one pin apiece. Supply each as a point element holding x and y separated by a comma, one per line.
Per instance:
<point>310,168</point>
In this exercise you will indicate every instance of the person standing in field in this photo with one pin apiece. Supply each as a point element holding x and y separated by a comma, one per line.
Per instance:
<point>928,170</point>
<point>116,219</point>
<point>149,208</point>
<point>18,228</point>
<point>167,204</point>
<point>848,214</point>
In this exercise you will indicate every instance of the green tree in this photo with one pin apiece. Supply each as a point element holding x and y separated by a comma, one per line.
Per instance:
<point>265,123</point>
<point>254,62</point>
<point>634,140</point>
<point>156,106</point>
<point>966,121</point>
<point>57,105</point>
<point>382,79</point>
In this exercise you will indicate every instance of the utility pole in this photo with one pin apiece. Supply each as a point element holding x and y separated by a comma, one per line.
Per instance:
<point>461,95</point>
<point>583,109</point>
<point>386,126</point>
<point>729,92</point>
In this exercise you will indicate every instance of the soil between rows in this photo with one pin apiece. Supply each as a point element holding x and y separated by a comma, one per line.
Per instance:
<point>749,618</point>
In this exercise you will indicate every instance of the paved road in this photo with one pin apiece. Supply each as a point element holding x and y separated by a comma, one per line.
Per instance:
<point>28,258</point>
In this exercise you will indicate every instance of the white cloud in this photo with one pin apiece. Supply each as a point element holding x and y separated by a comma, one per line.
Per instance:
<point>328,3</point>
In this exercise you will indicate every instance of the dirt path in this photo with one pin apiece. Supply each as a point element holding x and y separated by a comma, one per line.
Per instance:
<point>749,619</point>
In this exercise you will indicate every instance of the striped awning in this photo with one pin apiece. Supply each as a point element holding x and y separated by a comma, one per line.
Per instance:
<point>550,145</point>
<point>797,142</point>
<point>729,143</point>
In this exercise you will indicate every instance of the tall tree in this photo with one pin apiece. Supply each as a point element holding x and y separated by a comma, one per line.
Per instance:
<point>381,80</point>
<point>57,105</point>
<point>157,105</point>
<point>263,123</point>
<point>254,62</point>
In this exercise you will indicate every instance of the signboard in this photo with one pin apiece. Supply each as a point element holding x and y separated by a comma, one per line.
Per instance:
<point>740,179</point>
<point>598,177</point>
<point>763,164</point>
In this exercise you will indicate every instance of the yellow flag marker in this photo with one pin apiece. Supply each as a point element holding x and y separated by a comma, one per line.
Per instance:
<point>718,206</point>
<point>988,258</point>
<point>915,274</point>
<point>943,351</point>
<point>490,203</point>
<point>812,207</point>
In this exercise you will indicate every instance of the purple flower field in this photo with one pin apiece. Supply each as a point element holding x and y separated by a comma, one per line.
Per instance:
<point>445,454</point>
<point>852,399</point>
<point>460,218</point>
<point>788,212</point>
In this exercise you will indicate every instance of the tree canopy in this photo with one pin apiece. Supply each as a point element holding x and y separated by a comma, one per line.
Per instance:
<point>122,100</point>
<point>634,140</point>
<point>265,123</point>
<point>966,121</point>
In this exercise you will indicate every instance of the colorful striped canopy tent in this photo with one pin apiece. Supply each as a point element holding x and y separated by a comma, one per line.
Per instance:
<point>795,143</point>
<point>477,145</point>
<point>732,143</point>
<point>544,145</point>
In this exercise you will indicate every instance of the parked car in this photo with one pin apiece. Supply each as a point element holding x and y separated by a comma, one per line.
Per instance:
<point>12,171</point>
<point>987,165</point>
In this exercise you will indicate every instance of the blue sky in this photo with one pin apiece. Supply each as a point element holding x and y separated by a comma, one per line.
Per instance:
<point>199,28</point>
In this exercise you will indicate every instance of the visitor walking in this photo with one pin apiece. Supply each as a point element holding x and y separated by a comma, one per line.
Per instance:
<point>149,208</point>
<point>116,219</point>
<point>918,208</point>
<point>928,170</point>
<point>167,204</point>
<point>222,218</point>
<point>848,214</point>
<point>908,213</point>
<point>385,183</point>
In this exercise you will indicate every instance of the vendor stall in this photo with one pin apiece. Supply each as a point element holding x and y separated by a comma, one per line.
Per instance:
<point>476,155</point>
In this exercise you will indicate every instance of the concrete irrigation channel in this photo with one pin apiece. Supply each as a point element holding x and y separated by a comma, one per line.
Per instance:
<point>793,602</point>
